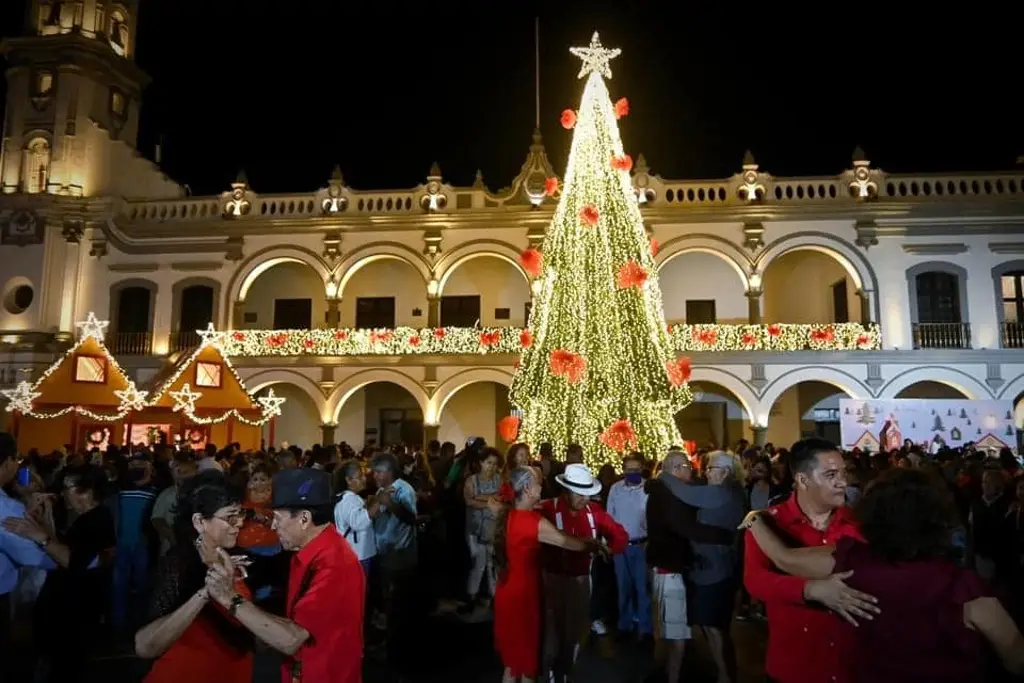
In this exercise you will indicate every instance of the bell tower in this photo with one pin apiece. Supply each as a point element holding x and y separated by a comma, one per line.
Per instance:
<point>73,97</point>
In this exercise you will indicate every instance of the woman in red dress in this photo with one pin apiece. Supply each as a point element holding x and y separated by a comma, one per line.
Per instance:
<point>192,638</point>
<point>518,534</point>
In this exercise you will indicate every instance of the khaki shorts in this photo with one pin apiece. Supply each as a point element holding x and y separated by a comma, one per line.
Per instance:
<point>668,596</point>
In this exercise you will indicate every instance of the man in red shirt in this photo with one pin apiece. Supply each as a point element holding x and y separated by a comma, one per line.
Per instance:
<point>807,644</point>
<point>567,573</point>
<point>321,634</point>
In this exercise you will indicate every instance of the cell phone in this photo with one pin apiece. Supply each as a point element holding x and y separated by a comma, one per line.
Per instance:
<point>24,476</point>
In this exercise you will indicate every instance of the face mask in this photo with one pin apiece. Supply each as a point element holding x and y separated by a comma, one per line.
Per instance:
<point>634,478</point>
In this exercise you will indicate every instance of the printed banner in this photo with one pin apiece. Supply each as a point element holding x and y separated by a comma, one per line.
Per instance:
<point>883,424</point>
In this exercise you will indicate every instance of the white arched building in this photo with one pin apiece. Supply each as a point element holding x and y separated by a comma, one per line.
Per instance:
<point>786,292</point>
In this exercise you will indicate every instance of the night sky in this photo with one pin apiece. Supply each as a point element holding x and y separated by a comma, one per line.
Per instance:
<point>286,90</point>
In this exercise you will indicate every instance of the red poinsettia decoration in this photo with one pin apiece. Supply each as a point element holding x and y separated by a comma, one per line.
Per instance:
<point>748,339</point>
<point>526,339</point>
<point>381,337</point>
<point>439,333</point>
<point>824,335</point>
<point>414,341</point>
<point>340,335</point>
<point>631,274</point>
<point>551,186</point>
<point>864,341</point>
<point>774,330</point>
<point>619,436</point>
<point>277,340</point>
<point>515,364</point>
<point>708,337</point>
<point>679,371</point>
<point>623,163</point>
<point>308,343</point>
<point>621,107</point>
<point>508,428</point>
<point>590,215</point>
<point>489,339</point>
<point>568,119</point>
<point>532,262</point>
<point>238,336</point>
<point>655,246</point>
<point>567,364</point>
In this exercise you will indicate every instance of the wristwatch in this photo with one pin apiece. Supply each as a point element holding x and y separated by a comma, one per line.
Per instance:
<point>235,602</point>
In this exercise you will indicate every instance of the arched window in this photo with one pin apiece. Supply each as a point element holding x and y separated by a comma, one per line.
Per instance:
<point>37,166</point>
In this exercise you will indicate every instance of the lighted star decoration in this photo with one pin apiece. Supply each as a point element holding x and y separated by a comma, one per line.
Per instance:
<point>210,336</point>
<point>20,397</point>
<point>131,397</point>
<point>93,327</point>
<point>185,399</point>
<point>271,404</point>
<point>595,58</point>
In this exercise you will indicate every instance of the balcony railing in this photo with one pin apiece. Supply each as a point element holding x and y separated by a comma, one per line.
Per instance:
<point>942,335</point>
<point>512,340</point>
<point>1013,335</point>
<point>184,339</point>
<point>130,343</point>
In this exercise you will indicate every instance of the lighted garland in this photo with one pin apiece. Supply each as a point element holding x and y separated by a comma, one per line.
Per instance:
<point>409,341</point>
<point>185,398</point>
<point>22,397</point>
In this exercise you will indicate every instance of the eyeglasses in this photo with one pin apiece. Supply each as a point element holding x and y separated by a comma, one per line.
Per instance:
<point>232,519</point>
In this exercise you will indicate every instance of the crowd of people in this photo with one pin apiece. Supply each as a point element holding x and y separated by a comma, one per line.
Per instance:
<point>904,566</point>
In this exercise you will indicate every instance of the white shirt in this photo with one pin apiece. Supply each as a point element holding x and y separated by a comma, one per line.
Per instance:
<point>354,523</point>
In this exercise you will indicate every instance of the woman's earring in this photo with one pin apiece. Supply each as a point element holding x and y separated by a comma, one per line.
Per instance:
<point>199,541</point>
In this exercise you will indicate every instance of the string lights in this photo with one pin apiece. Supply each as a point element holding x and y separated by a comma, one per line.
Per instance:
<point>409,341</point>
<point>22,398</point>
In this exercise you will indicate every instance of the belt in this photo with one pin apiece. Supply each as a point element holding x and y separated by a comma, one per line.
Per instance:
<point>638,541</point>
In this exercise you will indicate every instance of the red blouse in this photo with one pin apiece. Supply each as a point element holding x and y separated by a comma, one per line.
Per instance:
<point>920,634</point>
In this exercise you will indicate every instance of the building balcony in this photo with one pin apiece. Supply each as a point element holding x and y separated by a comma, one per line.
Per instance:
<point>942,336</point>
<point>1012,335</point>
<point>130,343</point>
<point>504,341</point>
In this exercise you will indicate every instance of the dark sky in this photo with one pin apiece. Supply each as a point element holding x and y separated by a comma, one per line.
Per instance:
<point>287,89</point>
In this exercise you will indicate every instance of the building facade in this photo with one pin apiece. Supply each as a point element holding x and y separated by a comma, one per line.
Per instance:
<point>393,314</point>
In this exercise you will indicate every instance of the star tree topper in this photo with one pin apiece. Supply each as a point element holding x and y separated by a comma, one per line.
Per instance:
<point>210,336</point>
<point>595,58</point>
<point>93,327</point>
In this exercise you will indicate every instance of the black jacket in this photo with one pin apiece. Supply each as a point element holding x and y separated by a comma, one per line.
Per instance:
<point>671,526</point>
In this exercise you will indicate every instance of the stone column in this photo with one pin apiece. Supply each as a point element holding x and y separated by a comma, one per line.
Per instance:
<point>73,232</point>
<point>760,435</point>
<point>327,432</point>
<point>865,307</point>
<point>333,319</point>
<point>433,311</point>
<point>237,315</point>
<point>754,306</point>
<point>430,433</point>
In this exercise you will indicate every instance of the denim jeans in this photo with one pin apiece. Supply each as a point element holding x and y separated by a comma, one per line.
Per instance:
<point>634,599</point>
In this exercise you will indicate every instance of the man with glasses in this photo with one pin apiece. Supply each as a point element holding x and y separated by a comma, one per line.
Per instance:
<point>321,634</point>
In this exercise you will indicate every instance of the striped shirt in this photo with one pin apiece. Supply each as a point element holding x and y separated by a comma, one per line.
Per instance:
<point>134,509</point>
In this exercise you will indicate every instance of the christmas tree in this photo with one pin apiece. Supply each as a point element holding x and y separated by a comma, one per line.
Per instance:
<point>938,426</point>
<point>598,368</point>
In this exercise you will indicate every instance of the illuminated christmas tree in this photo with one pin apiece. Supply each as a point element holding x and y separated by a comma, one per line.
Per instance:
<point>598,368</point>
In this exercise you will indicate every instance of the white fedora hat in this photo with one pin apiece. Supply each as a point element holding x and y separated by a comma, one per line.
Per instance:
<point>579,479</point>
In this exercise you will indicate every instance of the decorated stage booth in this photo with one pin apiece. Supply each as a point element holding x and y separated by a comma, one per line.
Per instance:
<point>83,399</point>
<point>202,400</point>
